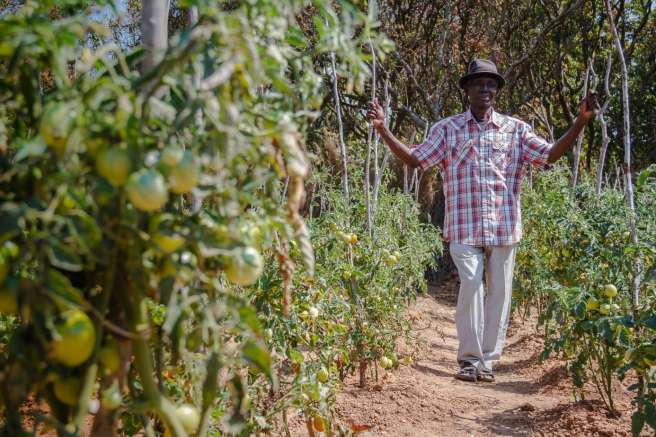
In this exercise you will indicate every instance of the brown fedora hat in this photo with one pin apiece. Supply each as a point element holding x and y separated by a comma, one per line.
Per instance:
<point>481,67</point>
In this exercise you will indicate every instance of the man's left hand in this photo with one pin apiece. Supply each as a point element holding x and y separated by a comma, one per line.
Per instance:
<point>589,107</point>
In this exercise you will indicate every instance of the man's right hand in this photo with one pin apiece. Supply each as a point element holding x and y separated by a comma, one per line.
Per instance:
<point>375,114</point>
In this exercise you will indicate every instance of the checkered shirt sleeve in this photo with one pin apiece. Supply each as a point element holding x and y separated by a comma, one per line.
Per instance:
<point>535,149</point>
<point>433,149</point>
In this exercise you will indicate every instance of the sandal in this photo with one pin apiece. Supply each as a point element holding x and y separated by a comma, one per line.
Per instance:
<point>485,375</point>
<point>467,373</point>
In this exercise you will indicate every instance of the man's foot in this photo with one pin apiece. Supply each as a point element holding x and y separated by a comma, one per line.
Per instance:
<point>467,372</point>
<point>485,375</point>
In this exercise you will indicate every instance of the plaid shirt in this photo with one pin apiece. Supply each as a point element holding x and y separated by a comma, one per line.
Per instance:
<point>482,167</point>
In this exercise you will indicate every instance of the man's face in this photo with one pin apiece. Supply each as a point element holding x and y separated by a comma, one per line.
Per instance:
<point>482,91</point>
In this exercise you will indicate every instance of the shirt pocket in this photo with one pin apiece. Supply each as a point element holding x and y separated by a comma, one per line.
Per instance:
<point>500,153</point>
<point>462,153</point>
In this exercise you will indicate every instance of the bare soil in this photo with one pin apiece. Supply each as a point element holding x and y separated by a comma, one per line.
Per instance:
<point>529,397</point>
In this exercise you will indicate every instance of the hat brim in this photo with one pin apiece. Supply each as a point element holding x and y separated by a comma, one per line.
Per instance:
<point>463,80</point>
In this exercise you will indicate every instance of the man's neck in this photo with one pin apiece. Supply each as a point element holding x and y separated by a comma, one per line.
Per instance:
<point>481,115</point>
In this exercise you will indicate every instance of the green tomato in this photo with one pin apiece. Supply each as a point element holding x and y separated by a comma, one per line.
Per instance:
<point>391,260</point>
<point>323,375</point>
<point>172,155</point>
<point>184,176</point>
<point>110,357</point>
<point>386,363</point>
<point>10,249</point>
<point>347,275</point>
<point>604,309</point>
<point>146,190</point>
<point>114,165</point>
<point>610,291</point>
<point>56,125</point>
<point>77,338</point>
<point>189,417</point>
<point>345,237</point>
<point>245,267</point>
<point>67,390</point>
<point>168,243</point>
<point>110,398</point>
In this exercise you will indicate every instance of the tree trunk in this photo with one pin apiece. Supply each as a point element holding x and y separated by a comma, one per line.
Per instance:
<point>370,140</point>
<point>154,28</point>
<point>604,127</point>
<point>579,140</point>
<point>340,125</point>
<point>628,185</point>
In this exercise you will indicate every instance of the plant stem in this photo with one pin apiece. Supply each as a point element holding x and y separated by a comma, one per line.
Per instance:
<point>133,305</point>
<point>159,403</point>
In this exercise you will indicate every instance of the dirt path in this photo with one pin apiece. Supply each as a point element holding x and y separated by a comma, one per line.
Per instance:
<point>423,398</point>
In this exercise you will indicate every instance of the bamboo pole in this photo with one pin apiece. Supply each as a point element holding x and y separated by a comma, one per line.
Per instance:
<point>579,139</point>
<point>154,30</point>
<point>605,140</point>
<point>628,185</point>
<point>367,163</point>
<point>380,170</point>
<point>340,125</point>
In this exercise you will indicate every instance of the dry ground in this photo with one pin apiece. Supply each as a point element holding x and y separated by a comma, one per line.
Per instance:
<point>423,399</point>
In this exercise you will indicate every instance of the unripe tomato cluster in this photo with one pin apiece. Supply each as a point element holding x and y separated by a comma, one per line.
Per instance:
<point>606,307</point>
<point>386,363</point>
<point>348,238</point>
<point>147,189</point>
<point>391,258</point>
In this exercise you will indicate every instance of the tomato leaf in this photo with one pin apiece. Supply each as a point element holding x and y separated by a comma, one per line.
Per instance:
<point>62,257</point>
<point>61,287</point>
<point>33,147</point>
<point>86,227</point>
<point>295,356</point>
<point>650,415</point>
<point>650,322</point>
<point>248,316</point>
<point>211,380</point>
<point>637,423</point>
<point>258,357</point>
<point>9,220</point>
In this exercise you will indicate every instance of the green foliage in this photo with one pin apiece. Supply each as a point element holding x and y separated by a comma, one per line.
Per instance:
<point>576,243</point>
<point>149,200</point>
<point>350,315</point>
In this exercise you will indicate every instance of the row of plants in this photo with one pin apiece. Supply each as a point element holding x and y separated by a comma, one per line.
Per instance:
<point>576,264</point>
<point>348,318</point>
<point>155,267</point>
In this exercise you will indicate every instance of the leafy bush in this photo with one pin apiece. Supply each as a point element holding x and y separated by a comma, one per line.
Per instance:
<point>135,206</point>
<point>576,262</point>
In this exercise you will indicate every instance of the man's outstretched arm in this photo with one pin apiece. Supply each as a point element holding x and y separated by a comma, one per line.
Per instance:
<point>587,109</point>
<point>377,117</point>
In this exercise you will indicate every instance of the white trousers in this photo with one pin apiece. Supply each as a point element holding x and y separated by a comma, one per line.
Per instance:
<point>482,317</point>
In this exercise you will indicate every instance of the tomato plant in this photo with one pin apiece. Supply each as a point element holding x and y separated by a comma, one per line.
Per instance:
<point>577,263</point>
<point>138,205</point>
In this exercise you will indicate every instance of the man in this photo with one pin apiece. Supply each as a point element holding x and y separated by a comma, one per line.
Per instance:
<point>481,155</point>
